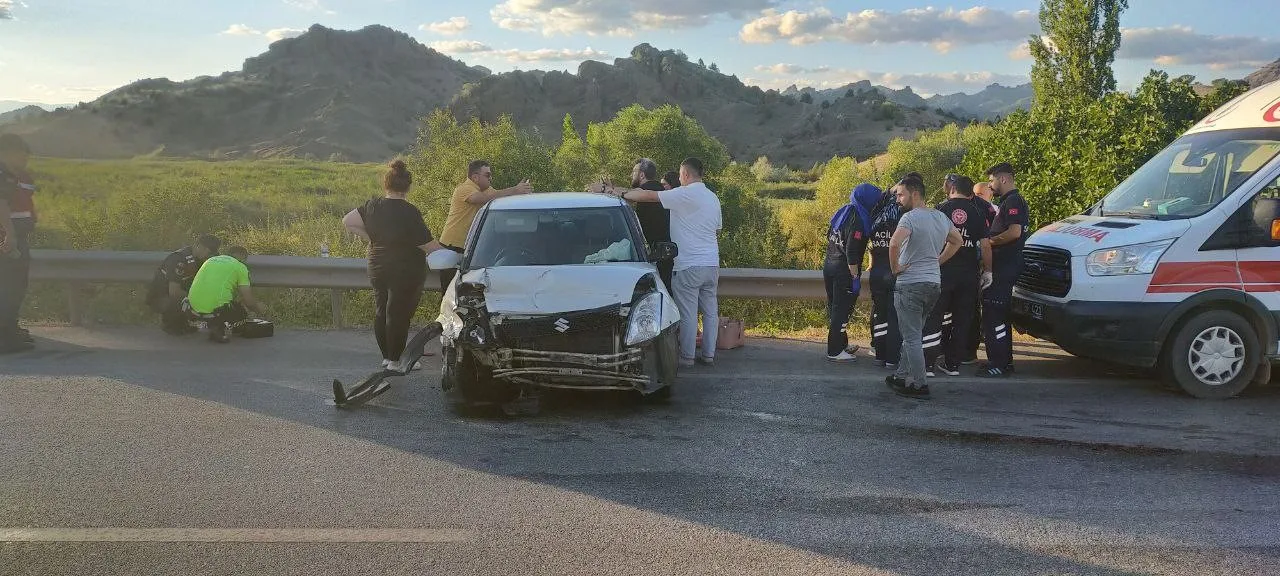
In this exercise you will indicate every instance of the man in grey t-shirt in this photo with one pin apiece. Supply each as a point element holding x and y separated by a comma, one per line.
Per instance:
<point>923,241</point>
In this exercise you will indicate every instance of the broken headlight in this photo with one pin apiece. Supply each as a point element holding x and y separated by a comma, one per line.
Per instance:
<point>645,322</point>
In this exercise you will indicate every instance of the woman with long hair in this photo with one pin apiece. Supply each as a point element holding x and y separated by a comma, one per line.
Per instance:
<point>398,244</point>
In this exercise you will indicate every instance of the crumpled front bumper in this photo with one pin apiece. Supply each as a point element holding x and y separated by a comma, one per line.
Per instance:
<point>621,371</point>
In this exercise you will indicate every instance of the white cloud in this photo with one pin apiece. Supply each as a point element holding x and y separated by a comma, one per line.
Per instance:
<point>515,55</point>
<point>240,30</point>
<point>460,47</point>
<point>309,6</point>
<point>272,35</point>
<point>917,25</point>
<point>450,27</point>
<point>925,84</point>
<point>1180,45</point>
<point>790,69</point>
<point>282,33</point>
<point>550,55</point>
<point>1021,52</point>
<point>616,17</point>
<point>6,9</point>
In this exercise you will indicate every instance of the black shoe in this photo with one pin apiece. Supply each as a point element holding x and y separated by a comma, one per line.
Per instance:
<point>892,380</point>
<point>901,389</point>
<point>218,333</point>
<point>941,366</point>
<point>969,361</point>
<point>993,372</point>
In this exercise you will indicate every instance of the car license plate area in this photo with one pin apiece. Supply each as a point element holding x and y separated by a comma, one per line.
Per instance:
<point>1033,309</point>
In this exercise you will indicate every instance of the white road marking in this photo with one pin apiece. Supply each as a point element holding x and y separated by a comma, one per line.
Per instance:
<point>252,535</point>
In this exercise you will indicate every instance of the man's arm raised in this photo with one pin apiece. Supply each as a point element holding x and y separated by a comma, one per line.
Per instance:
<point>483,197</point>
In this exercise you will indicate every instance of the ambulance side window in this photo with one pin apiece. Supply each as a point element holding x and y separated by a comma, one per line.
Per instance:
<point>1253,224</point>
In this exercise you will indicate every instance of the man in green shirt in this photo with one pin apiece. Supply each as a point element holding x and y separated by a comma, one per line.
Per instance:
<point>221,289</point>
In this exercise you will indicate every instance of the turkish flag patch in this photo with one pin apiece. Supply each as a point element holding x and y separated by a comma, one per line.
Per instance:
<point>857,235</point>
<point>1013,211</point>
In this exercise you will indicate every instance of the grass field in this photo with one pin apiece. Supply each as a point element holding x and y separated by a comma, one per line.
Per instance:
<point>286,207</point>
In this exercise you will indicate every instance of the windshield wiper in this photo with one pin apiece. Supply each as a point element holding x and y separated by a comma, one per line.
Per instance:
<point>1135,215</point>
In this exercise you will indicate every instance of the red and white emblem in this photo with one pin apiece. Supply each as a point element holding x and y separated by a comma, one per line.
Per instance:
<point>959,217</point>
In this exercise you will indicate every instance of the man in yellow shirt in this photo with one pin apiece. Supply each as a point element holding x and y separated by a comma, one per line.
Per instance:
<point>467,199</point>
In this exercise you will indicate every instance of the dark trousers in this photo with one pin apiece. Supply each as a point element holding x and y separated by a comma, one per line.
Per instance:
<point>396,297</point>
<point>946,334</point>
<point>975,330</point>
<point>231,314</point>
<point>840,300</point>
<point>173,318</point>
<point>886,337</point>
<point>995,316</point>
<point>15,270</point>
<point>665,273</point>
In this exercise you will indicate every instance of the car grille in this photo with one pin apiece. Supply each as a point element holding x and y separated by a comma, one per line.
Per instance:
<point>1046,271</point>
<point>584,332</point>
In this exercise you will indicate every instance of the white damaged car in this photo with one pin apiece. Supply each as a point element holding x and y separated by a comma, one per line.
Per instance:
<point>557,290</point>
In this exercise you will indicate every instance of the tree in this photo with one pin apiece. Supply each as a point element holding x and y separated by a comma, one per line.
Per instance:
<point>1223,91</point>
<point>762,169</point>
<point>714,68</point>
<point>701,64</point>
<point>571,161</point>
<point>663,134</point>
<point>1073,57</point>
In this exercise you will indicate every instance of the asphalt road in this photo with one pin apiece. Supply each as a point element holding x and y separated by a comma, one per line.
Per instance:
<point>123,451</point>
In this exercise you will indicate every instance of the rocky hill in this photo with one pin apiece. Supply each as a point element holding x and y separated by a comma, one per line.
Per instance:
<point>749,121</point>
<point>325,94</point>
<point>20,114</point>
<point>1268,73</point>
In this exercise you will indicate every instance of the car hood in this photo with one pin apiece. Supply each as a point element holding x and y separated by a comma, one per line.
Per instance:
<point>1081,235</point>
<point>555,289</point>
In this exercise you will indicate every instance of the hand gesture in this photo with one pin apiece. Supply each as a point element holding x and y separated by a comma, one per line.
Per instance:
<point>986,282</point>
<point>596,187</point>
<point>523,187</point>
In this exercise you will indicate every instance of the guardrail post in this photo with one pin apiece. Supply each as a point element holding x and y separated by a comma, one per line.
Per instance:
<point>76,306</point>
<point>335,307</point>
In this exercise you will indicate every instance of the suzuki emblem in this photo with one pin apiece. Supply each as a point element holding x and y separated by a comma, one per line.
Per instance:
<point>562,325</point>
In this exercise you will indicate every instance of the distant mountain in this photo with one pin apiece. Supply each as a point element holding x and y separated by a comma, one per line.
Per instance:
<point>994,101</point>
<point>353,95</point>
<point>11,105</point>
<point>1268,73</point>
<point>20,114</point>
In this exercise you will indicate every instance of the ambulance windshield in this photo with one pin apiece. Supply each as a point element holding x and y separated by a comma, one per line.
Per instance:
<point>1192,175</point>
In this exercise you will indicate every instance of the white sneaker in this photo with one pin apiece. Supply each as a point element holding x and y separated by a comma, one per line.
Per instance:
<point>386,363</point>
<point>398,367</point>
<point>843,356</point>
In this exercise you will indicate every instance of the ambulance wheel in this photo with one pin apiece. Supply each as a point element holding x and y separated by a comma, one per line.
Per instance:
<point>1213,355</point>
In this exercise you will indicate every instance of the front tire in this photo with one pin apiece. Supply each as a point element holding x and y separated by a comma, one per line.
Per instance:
<point>1213,355</point>
<point>662,364</point>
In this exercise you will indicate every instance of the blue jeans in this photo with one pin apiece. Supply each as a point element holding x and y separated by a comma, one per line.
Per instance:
<point>913,303</point>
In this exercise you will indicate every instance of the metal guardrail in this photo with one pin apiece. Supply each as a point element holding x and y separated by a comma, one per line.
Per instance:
<point>81,268</point>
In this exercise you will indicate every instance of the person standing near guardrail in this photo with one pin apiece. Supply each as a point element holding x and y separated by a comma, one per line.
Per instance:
<point>655,220</point>
<point>982,197</point>
<point>696,220</point>
<point>946,334</point>
<point>923,241</point>
<point>474,192</point>
<point>847,238</point>
<point>399,242</point>
<point>886,339</point>
<point>17,220</point>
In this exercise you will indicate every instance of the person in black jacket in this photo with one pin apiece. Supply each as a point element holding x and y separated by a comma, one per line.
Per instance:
<point>847,237</point>
<point>172,281</point>
<point>946,334</point>
<point>655,221</point>
<point>398,244</point>
<point>885,336</point>
<point>1008,235</point>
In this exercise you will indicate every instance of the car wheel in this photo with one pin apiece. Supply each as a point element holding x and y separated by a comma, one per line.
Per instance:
<point>1213,355</point>
<point>468,382</point>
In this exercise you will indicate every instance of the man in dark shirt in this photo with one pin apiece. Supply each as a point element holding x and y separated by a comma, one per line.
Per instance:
<point>946,334</point>
<point>886,339</point>
<point>847,238</point>
<point>655,221</point>
<point>982,197</point>
<point>172,281</point>
<point>1008,235</point>
<point>15,246</point>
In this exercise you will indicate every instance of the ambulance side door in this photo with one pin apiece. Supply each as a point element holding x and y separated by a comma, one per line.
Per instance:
<point>1257,225</point>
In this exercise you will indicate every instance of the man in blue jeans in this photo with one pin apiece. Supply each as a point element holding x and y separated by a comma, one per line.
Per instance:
<point>695,221</point>
<point>923,241</point>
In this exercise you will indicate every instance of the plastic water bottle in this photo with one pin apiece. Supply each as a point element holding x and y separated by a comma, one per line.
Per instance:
<point>324,249</point>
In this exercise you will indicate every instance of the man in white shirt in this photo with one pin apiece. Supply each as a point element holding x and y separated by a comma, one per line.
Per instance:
<point>695,223</point>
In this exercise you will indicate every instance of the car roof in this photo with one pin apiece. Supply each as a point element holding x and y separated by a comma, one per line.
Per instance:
<point>543,200</point>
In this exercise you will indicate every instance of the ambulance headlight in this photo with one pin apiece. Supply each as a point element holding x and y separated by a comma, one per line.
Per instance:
<point>1122,260</point>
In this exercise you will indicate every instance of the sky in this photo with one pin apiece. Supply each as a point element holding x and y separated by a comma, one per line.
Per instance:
<point>67,51</point>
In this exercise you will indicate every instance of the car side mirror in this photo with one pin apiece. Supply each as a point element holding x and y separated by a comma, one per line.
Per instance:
<point>663,252</point>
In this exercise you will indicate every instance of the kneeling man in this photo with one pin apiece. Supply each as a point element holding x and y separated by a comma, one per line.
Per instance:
<point>221,289</point>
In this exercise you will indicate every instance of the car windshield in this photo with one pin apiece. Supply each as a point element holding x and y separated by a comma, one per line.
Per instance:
<point>551,237</point>
<point>1193,174</point>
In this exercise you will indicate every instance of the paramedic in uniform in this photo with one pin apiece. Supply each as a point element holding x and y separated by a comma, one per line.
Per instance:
<point>847,237</point>
<point>946,335</point>
<point>1007,238</point>
<point>886,339</point>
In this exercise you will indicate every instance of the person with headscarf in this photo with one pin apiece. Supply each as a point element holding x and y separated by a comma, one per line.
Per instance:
<point>886,338</point>
<point>847,237</point>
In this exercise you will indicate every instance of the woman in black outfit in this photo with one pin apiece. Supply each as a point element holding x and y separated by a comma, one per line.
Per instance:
<point>398,244</point>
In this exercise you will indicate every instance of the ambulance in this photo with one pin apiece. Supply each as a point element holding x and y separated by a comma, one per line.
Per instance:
<point>1178,267</point>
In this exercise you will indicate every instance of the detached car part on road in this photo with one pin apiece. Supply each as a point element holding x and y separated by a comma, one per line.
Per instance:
<point>557,290</point>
